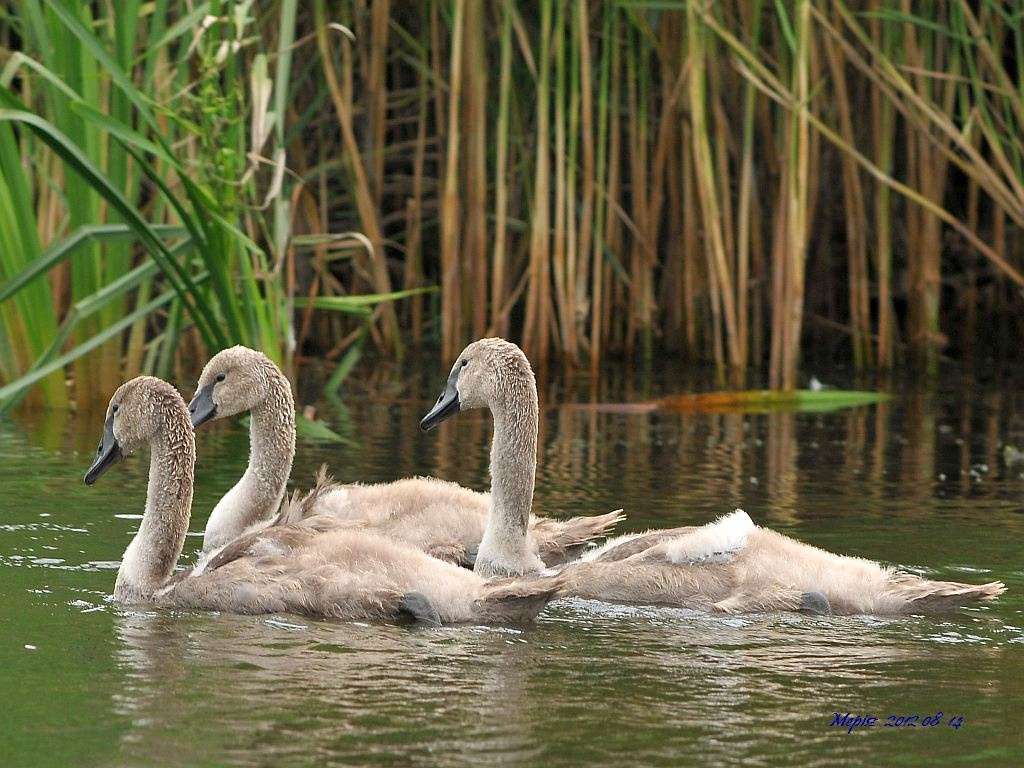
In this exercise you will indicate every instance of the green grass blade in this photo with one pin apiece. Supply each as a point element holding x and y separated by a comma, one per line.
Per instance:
<point>77,161</point>
<point>10,393</point>
<point>358,305</point>
<point>66,248</point>
<point>92,44</point>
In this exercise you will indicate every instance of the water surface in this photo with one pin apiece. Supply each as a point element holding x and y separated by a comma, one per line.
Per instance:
<point>920,482</point>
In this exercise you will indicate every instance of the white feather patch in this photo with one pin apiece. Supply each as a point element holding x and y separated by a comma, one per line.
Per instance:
<point>713,543</point>
<point>335,501</point>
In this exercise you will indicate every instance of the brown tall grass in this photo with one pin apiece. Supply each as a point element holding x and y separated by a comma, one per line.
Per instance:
<point>704,178</point>
<point>733,182</point>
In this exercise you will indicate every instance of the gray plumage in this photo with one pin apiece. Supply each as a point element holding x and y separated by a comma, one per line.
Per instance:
<point>440,518</point>
<point>730,566</point>
<point>319,567</point>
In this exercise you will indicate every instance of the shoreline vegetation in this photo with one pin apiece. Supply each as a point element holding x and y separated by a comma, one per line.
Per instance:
<point>728,182</point>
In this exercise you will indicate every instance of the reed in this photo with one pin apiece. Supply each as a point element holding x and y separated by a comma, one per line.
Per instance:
<point>536,327</point>
<point>726,182</point>
<point>854,208</point>
<point>158,205</point>
<point>499,323</point>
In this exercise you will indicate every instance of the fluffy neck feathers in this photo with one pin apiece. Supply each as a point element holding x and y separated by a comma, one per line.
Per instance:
<point>150,558</point>
<point>505,549</point>
<point>257,495</point>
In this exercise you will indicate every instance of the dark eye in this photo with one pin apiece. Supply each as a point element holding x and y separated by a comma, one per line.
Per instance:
<point>114,407</point>
<point>221,376</point>
<point>465,362</point>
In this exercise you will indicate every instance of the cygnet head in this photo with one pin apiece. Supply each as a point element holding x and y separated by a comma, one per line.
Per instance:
<point>140,411</point>
<point>236,380</point>
<point>490,373</point>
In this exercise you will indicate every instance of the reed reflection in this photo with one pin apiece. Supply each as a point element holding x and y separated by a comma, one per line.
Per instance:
<point>666,468</point>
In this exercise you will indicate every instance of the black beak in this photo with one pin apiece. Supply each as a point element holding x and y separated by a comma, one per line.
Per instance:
<point>107,455</point>
<point>202,406</point>
<point>447,404</point>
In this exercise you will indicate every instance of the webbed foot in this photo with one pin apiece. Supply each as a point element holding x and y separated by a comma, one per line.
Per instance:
<point>815,604</point>
<point>469,557</point>
<point>417,606</point>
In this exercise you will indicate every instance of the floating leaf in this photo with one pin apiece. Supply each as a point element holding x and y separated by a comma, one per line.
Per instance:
<point>750,401</point>
<point>313,429</point>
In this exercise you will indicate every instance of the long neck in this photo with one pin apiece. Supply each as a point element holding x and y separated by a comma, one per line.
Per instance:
<point>258,494</point>
<point>505,549</point>
<point>150,558</point>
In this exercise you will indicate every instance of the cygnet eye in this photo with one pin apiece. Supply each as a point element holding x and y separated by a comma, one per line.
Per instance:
<point>114,407</point>
<point>221,376</point>
<point>465,362</point>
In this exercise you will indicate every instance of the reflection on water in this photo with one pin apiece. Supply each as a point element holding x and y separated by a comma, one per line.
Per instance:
<point>919,481</point>
<point>587,682</point>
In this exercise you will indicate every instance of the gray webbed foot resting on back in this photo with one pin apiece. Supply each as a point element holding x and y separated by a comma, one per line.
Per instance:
<point>814,604</point>
<point>419,609</point>
<point>469,557</point>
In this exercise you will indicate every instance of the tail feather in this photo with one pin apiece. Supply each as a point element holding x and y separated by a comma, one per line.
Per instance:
<point>296,509</point>
<point>564,540</point>
<point>925,595</point>
<point>516,600</point>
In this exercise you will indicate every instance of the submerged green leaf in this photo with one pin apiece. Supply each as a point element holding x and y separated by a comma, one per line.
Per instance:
<point>771,400</point>
<point>749,401</point>
<point>310,429</point>
<point>314,429</point>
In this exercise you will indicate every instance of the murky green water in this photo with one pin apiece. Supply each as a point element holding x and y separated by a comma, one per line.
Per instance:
<point>920,482</point>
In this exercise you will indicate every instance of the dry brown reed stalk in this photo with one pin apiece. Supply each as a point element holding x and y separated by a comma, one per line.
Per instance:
<point>603,121</point>
<point>569,313</point>
<point>473,256</point>
<point>640,299</point>
<point>692,278</point>
<point>362,191</point>
<point>414,204</point>
<point>927,171</point>
<point>538,292</point>
<point>560,245</point>
<point>451,283</point>
<point>793,215</point>
<point>583,270</point>
<point>854,206</point>
<point>666,187</point>
<point>614,193</point>
<point>924,115</point>
<point>499,320</point>
<point>882,136</point>
<point>476,137</point>
<point>745,216</point>
<point>377,114</point>
<point>707,181</point>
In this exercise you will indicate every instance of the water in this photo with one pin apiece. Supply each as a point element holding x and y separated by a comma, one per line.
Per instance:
<point>920,482</point>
